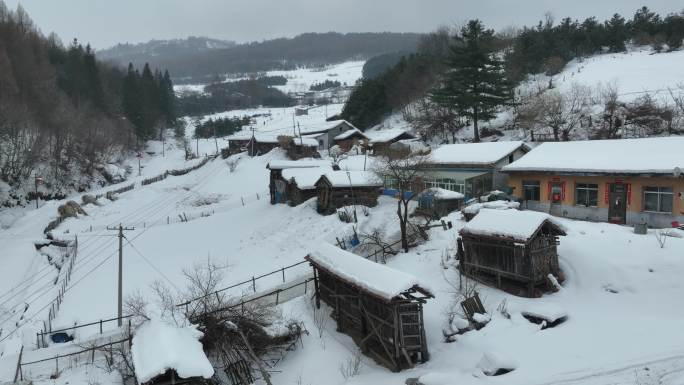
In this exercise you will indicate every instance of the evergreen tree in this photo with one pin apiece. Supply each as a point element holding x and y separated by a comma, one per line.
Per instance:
<point>475,84</point>
<point>616,33</point>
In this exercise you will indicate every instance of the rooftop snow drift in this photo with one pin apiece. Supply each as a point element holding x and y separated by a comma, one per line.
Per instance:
<point>622,156</point>
<point>474,153</point>
<point>519,225</point>
<point>380,280</point>
<point>158,347</point>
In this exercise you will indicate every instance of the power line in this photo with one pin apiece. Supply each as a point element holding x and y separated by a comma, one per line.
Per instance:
<point>152,265</point>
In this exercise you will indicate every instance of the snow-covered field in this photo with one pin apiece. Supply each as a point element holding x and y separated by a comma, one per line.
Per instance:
<point>635,73</point>
<point>301,79</point>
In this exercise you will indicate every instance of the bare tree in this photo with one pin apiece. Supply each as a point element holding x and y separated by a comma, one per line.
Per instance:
<point>402,171</point>
<point>562,112</point>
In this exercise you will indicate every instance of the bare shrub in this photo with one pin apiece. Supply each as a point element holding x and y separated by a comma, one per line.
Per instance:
<point>352,366</point>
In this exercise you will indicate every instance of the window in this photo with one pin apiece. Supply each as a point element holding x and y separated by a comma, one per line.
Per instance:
<point>510,159</point>
<point>447,184</point>
<point>658,199</point>
<point>586,194</point>
<point>531,190</point>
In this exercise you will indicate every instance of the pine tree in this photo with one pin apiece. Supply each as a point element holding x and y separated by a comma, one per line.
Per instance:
<point>475,84</point>
<point>616,31</point>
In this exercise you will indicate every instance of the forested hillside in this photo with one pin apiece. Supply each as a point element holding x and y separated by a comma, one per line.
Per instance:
<point>459,78</point>
<point>63,114</point>
<point>309,49</point>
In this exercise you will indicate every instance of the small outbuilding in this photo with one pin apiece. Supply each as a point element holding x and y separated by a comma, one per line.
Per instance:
<point>301,183</point>
<point>379,307</point>
<point>277,184</point>
<point>437,202</point>
<point>382,140</point>
<point>164,354</point>
<point>337,189</point>
<point>511,248</point>
<point>350,138</point>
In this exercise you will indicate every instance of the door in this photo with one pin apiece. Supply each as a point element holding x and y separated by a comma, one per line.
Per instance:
<point>556,196</point>
<point>617,203</point>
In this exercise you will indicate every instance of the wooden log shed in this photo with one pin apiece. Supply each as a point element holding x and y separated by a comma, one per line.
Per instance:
<point>379,307</point>
<point>516,250</point>
<point>337,189</point>
<point>277,184</point>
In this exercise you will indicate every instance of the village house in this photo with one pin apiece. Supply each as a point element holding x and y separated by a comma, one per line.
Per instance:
<point>163,355</point>
<point>515,250</point>
<point>350,138</point>
<point>326,132</point>
<point>337,189</point>
<point>381,140</point>
<point>254,145</point>
<point>472,169</point>
<point>624,181</point>
<point>299,147</point>
<point>277,184</point>
<point>379,307</point>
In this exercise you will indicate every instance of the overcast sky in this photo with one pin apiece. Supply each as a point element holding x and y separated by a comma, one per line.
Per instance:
<point>104,23</point>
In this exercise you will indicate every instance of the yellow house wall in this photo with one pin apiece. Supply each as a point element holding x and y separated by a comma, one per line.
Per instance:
<point>635,203</point>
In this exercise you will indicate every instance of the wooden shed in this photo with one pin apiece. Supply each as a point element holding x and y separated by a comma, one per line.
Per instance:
<point>379,307</point>
<point>512,249</point>
<point>301,183</point>
<point>277,185</point>
<point>337,189</point>
<point>350,138</point>
<point>437,202</point>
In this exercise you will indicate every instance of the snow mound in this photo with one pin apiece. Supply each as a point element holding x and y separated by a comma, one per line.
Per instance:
<point>158,347</point>
<point>494,205</point>
<point>494,364</point>
<point>546,311</point>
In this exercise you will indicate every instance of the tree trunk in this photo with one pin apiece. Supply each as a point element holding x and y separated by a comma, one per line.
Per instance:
<point>402,224</point>
<point>476,130</point>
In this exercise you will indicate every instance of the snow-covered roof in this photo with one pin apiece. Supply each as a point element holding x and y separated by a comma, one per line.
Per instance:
<point>284,164</point>
<point>158,347</point>
<point>625,156</point>
<point>380,280</point>
<point>519,225</point>
<point>384,136</point>
<point>260,138</point>
<point>325,126</point>
<point>353,178</point>
<point>305,178</point>
<point>441,193</point>
<point>349,133</point>
<point>474,153</point>
<point>304,141</point>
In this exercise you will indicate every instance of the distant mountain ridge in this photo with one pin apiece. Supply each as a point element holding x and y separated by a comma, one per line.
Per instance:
<point>202,59</point>
<point>136,52</point>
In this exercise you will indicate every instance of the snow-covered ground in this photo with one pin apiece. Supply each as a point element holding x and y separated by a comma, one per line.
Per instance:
<point>621,294</point>
<point>635,73</point>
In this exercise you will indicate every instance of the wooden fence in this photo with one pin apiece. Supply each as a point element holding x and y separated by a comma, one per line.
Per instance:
<point>41,335</point>
<point>72,253</point>
<point>156,179</point>
<point>87,354</point>
<point>251,282</point>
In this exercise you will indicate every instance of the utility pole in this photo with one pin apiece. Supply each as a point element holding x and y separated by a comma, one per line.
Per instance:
<point>121,230</point>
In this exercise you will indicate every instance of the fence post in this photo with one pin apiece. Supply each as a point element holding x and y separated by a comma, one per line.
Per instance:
<point>243,200</point>
<point>167,220</point>
<point>258,196</point>
<point>18,372</point>
<point>57,364</point>
<point>277,296</point>
<point>305,285</point>
<point>253,284</point>
<point>100,326</point>
<point>283,275</point>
